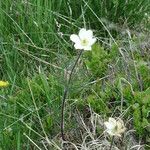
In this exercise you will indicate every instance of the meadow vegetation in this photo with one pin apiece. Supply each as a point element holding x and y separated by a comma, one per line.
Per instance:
<point>111,80</point>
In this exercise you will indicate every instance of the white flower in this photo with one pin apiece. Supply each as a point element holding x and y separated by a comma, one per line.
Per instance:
<point>84,40</point>
<point>115,127</point>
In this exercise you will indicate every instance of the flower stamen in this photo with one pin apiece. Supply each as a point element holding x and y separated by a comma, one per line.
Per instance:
<point>84,42</point>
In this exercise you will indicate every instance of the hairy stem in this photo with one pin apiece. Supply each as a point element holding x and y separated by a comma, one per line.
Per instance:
<point>112,141</point>
<point>65,96</point>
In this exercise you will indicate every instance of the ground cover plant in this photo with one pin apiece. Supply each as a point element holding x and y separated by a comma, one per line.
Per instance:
<point>107,105</point>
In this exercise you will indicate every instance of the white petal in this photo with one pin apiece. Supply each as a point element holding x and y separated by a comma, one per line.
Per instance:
<point>89,33</point>
<point>74,38</point>
<point>88,48</point>
<point>86,35</point>
<point>78,46</point>
<point>83,33</point>
<point>92,41</point>
<point>122,130</point>
<point>118,134</point>
<point>110,132</point>
<point>112,121</point>
<point>120,124</point>
<point>109,125</point>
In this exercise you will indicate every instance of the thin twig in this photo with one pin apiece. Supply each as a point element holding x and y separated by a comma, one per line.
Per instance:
<point>65,95</point>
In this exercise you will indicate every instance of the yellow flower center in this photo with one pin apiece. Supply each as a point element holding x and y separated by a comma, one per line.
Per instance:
<point>84,42</point>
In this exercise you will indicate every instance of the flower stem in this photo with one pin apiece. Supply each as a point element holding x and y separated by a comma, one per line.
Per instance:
<point>112,141</point>
<point>65,95</point>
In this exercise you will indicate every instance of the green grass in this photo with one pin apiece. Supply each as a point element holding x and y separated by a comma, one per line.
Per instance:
<point>111,80</point>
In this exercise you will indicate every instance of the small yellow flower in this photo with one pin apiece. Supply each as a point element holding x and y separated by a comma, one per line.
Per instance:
<point>4,83</point>
<point>115,127</point>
